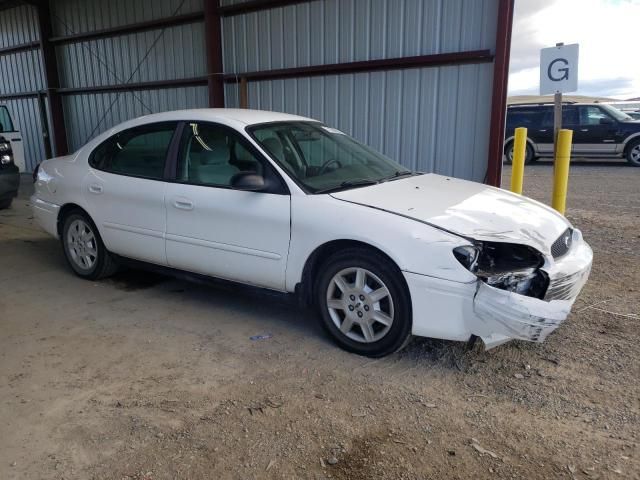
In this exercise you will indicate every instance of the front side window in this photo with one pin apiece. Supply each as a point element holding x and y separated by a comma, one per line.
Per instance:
<point>322,158</point>
<point>138,152</point>
<point>6,125</point>
<point>212,155</point>
<point>592,115</point>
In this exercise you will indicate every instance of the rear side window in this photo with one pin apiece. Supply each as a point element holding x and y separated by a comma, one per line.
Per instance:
<point>524,117</point>
<point>137,152</point>
<point>6,125</point>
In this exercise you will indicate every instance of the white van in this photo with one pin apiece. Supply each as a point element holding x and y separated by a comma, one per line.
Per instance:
<point>11,134</point>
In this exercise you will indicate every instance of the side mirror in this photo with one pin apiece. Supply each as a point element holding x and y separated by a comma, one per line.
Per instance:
<point>606,121</point>
<point>248,181</point>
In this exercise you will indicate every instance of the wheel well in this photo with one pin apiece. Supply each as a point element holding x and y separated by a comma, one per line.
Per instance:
<point>315,261</point>
<point>66,210</point>
<point>630,144</point>
<point>509,142</point>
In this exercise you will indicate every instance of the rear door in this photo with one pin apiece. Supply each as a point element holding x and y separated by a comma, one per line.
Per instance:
<point>594,132</point>
<point>9,132</point>
<point>125,190</point>
<point>541,130</point>
<point>216,230</point>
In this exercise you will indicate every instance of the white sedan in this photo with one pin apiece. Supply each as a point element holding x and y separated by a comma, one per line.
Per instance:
<point>286,203</point>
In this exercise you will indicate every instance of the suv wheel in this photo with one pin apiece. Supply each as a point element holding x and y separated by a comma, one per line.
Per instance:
<point>633,153</point>
<point>5,203</point>
<point>364,303</point>
<point>83,247</point>
<point>528,154</point>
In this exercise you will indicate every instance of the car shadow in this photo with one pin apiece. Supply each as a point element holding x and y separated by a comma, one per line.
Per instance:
<point>271,310</point>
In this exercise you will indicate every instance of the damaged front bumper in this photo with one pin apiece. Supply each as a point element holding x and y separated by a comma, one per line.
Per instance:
<point>453,310</point>
<point>505,315</point>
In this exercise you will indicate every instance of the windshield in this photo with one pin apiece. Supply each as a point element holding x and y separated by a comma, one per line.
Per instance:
<point>320,158</point>
<point>615,113</point>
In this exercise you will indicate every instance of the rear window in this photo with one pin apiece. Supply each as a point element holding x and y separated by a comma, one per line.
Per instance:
<point>6,125</point>
<point>136,152</point>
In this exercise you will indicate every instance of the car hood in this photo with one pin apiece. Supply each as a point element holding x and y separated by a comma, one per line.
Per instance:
<point>467,209</point>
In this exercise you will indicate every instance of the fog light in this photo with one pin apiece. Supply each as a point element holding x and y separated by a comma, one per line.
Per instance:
<point>5,159</point>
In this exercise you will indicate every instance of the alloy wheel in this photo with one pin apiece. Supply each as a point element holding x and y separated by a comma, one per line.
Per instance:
<point>81,245</point>
<point>360,305</point>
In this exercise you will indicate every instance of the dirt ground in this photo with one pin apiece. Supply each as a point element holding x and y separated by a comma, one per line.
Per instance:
<point>148,377</point>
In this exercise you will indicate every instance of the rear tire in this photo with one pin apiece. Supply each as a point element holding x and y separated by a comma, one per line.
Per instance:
<point>632,153</point>
<point>528,154</point>
<point>364,302</point>
<point>83,248</point>
<point>5,203</point>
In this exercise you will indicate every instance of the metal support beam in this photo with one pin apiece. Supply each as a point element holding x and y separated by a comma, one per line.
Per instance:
<point>133,86</point>
<point>499,98</point>
<point>213,43</point>
<point>52,79</point>
<point>418,61</point>
<point>254,6</point>
<point>130,28</point>
<point>19,95</point>
<point>23,47</point>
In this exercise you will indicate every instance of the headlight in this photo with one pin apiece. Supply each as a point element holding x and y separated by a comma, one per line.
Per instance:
<point>467,256</point>
<point>5,159</point>
<point>507,266</point>
<point>5,146</point>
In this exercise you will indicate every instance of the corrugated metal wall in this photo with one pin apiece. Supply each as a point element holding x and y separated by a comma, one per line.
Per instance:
<point>413,116</point>
<point>83,113</point>
<point>430,119</point>
<point>20,72</point>
<point>163,54</point>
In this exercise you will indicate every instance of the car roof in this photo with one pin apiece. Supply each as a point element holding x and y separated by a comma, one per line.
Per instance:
<point>564,104</point>
<point>224,115</point>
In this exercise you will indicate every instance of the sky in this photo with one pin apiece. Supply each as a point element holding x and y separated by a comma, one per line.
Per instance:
<point>608,32</point>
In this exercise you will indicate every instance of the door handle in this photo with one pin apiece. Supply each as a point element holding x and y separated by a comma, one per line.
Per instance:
<point>584,129</point>
<point>542,130</point>
<point>183,204</point>
<point>97,189</point>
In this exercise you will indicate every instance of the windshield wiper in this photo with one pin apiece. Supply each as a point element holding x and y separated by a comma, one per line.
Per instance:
<point>398,174</point>
<point>347,184</point>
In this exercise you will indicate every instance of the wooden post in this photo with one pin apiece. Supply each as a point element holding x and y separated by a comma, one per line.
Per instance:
<point>244,93</point>
<point>557,119</point>
<point>557,116</point>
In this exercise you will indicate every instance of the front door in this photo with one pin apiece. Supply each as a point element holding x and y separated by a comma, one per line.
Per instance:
<point>125,191</point>
<point>595,131</point>
<point>541,131</point>
<point>216,230</point>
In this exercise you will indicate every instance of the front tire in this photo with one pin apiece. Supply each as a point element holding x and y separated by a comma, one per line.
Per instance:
<point>5,203</point>
<point>632,153</point>
<point>364,302</point>
<point>83,248</point>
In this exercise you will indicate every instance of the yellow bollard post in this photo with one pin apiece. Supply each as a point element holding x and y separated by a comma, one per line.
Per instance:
<point>561,170</point>
<point>517,170</point>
